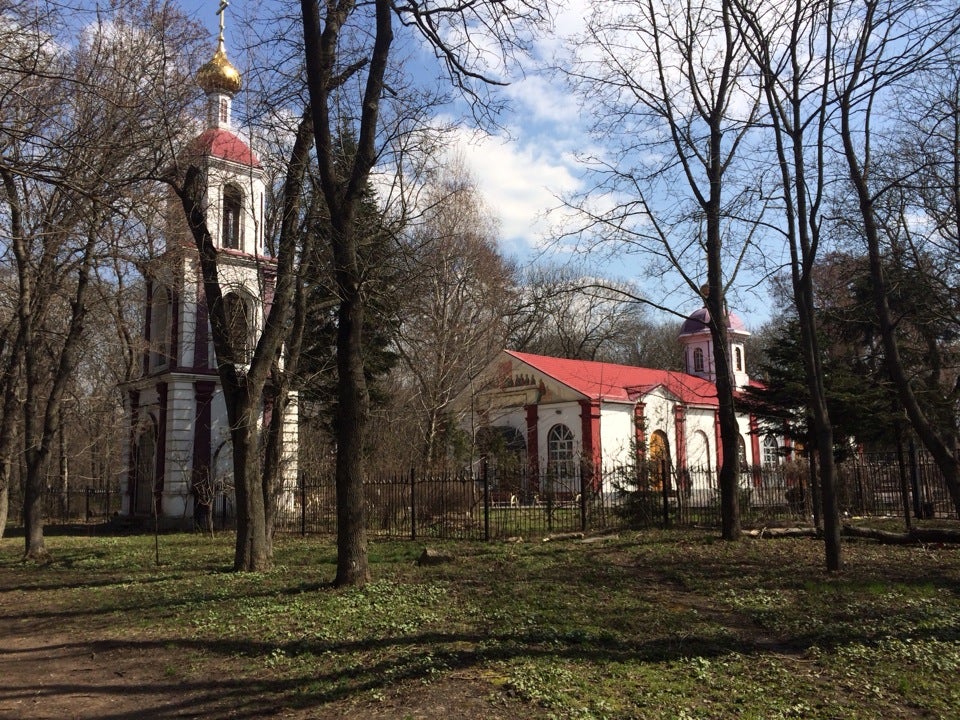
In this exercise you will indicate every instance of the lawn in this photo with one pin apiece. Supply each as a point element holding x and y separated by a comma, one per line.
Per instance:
<point>635,625</point>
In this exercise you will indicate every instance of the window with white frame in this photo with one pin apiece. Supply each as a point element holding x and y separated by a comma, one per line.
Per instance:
<point>771,451</point>
<point>561,462</point>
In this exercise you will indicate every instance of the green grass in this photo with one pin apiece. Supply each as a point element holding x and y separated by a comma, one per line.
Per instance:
<point>640,625</point>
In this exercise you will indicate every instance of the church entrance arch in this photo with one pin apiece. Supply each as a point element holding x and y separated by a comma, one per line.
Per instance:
<point>658,456</point>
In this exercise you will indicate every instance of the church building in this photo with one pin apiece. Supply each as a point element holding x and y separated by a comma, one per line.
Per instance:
<point>178,450</point>
<point>561,417</point>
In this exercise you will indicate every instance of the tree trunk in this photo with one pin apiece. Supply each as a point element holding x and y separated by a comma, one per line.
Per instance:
<point>729,427</point>
<point>4,502</point>
<point>252,550</point>
<point>34,545</point>
<point>352,413</point>
<point>341,196</point>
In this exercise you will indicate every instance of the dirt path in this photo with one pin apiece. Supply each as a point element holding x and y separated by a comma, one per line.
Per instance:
<point>46,675</point>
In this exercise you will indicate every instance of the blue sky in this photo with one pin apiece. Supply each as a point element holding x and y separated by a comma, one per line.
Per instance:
<point>524,168</point>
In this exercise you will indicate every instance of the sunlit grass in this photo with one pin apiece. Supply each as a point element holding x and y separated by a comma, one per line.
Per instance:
<point>651,625</point>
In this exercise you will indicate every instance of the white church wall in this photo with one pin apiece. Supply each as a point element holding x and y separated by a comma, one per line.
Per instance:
<point>181,417</point>
<point>188,316</point>
<point>221,173</point>
<point>701,449</point>
<point>658,414</point>
<point>617,435</point>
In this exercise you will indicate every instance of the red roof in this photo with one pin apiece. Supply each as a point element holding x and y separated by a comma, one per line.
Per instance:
<point>623,383</point>
<point>223,144</point>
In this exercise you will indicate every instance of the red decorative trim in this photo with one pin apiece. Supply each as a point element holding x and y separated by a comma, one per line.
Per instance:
<point>639,422</point>
<point>533,444</point>
<point>161,465</point>
<point>680,428</point>
<point>202,452</point>
<point>755,440</point>
<point>718,438</point>
<point>590,434</point>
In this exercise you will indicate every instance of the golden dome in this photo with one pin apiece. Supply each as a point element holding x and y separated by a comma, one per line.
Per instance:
<point>218,75</point>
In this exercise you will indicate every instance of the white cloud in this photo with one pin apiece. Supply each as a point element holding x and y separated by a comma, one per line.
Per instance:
<point>520,181</point>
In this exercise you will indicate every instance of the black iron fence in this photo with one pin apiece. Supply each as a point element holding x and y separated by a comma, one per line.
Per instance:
<point>73,505</point>
<point>501,505</point>
<point>495,504</point>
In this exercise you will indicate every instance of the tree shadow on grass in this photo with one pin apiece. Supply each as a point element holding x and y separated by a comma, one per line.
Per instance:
<point>313,674</point>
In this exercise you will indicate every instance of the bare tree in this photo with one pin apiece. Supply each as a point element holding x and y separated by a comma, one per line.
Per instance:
<point>670,82</point>
<point>459,294</point>
<point>85,120</point>
<point>780,38</point>
<point>567,313</point>
<point>886,47</point>
<point>369,28</point>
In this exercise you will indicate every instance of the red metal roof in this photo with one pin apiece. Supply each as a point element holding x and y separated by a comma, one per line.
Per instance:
<point>623,383</point>
<point>223,144</point>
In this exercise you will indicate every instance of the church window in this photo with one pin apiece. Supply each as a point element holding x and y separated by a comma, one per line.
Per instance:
<point>771,451</point>
<point>560,453</point>
<point>224,111</point>
<point>698,360</point>
<point>738,356</point>
<point>232,212</point>
<point>238,328</point>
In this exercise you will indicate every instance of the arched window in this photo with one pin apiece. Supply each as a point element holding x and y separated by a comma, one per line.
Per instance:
<point>742,459</point>
<point>232,213</point>
<point>239,332</point>
<point>698,360</point>
<point>742,453</point>
<point>738,359</point>
<point>771,451</point>
<point>560,453</point>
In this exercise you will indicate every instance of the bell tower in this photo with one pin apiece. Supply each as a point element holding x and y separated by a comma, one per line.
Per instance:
<point>179,459</point>
<point>697,342</point>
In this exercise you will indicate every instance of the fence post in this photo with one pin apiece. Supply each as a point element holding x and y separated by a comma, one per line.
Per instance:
<point>665,484</point>
<point>486,502</point>
<point>89,495</point>
<point>413,504</point>
<point>583,494</point>
<point>915,480</point>
<point>303,506</point>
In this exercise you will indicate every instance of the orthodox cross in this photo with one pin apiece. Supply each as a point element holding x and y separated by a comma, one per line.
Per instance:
<point>221,13</point>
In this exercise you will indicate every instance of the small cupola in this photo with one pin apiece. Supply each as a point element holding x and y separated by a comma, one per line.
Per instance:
<point>697,344</point>
<point>220,80</point>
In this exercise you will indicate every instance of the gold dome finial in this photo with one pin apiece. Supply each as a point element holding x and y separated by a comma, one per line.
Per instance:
<point>219,75</point>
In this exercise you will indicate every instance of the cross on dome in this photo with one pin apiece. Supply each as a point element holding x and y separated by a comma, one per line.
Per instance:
<point>219,76</point>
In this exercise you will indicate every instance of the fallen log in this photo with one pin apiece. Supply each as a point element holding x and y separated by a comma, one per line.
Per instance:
<point>564,536</point>
<point>779,532</point>
<point>915,535</point>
